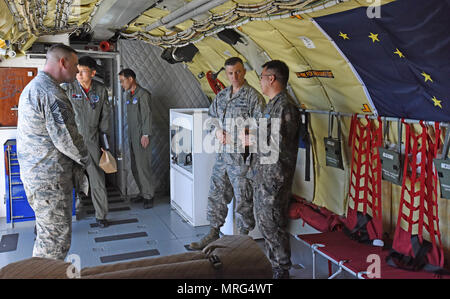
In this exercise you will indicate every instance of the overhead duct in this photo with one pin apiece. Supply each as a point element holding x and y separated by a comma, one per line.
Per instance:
<point>180,54</point>
<point>81,36</point>
<point>175,14</point>
<point>188,11</point>
<point>186,53</point>
<point>39,48</point>
<point>232,18</point>
<point>202,9</point>
<point>112,15</point>
<point>167,55</point>
<point>230,36</point>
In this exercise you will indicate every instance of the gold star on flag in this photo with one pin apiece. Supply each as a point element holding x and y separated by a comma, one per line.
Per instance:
<point>344,35</point>
<point>400,54</point>
<point>427,77</point>
<point>436,102</point>
<point>374,37</point>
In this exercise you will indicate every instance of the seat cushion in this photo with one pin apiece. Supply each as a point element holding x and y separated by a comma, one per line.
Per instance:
<point>238,257</point>
<point>35,267</point>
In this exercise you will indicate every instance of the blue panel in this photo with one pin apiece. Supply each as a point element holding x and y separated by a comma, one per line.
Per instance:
<point>402,57</point>
<point>20,206</point>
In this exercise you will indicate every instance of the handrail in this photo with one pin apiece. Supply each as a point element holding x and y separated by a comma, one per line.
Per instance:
<point>383,118</point>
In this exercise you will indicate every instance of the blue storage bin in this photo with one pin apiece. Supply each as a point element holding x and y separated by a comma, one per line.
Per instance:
<point>16,199</point>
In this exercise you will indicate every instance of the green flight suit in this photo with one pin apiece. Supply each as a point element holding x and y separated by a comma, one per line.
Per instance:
<point>139,119</point>
<point>93,119</point>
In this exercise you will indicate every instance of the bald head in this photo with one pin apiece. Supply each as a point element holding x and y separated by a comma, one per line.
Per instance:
<point>61,63</point>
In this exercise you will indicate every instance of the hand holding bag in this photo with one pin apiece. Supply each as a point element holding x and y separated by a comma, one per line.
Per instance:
<point>107,162</point>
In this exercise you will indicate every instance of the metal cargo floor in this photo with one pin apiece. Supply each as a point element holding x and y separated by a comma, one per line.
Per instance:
<point>134,233</point>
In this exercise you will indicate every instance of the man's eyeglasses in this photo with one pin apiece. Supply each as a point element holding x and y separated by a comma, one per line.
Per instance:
<point>261,76</point>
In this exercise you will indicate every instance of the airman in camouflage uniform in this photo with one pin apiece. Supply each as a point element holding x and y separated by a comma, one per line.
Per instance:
<point>239,101</point>
<point>48,148</point>
<point>271,175</point>
<point>139,120</point>
<point>92,115</point>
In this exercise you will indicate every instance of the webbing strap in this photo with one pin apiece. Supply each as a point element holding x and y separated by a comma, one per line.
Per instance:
<point>417,263</point>
<point>366,166</point>
<point>386,135</point>
<point>420,208</point>
<point>330,126</point>
<point>304,135</point>
<point>365,177</point>
<point>359,232</point>
<point>421,177</point>
<point>376,141</point>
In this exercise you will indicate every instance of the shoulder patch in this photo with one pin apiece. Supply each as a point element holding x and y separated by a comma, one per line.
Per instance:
<point>60,112</point>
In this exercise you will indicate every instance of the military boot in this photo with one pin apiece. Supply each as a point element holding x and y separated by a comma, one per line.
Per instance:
<point>138,198</point>
<point>148,203</point>
<point>211,237</point>
<point>280,273</point>
<point>79,207</point>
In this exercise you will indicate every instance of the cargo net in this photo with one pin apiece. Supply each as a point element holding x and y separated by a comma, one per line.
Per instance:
<point>418,210</point>
<point>364,218</point>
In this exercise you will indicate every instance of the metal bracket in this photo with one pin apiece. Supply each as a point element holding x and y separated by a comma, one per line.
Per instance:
<point>215,261</point>
<point>360,274</point>
<point>313,249</point>
<point>340,264</point>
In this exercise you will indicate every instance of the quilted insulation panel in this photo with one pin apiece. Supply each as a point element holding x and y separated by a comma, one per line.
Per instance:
<point>171,86</point>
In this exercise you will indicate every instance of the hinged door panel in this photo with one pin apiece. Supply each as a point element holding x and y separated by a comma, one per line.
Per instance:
<point>12,82</point>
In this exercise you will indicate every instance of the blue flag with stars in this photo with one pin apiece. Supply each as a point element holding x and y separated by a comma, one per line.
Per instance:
<point>401,55</point>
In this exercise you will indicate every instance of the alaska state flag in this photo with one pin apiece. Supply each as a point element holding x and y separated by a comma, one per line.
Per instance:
<point>403,57</point>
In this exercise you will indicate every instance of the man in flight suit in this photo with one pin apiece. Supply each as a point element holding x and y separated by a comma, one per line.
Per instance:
<point>238,101</point>
<point>272,174</point>
<point>92,114</point>
<point>139,119</point>
<point>49,147</point>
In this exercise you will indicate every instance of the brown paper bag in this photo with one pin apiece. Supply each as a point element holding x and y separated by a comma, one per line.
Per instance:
<point>108,163</point>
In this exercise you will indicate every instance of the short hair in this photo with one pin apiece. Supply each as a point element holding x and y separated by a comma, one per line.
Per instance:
<point>88,61</point>
<point>58,51</point>
<point>233,61</point>
<point>127,73</point>
<point>280,70</point>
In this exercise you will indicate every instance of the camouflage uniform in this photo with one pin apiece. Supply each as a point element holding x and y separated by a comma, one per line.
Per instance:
<point>139,119</point>
<point>92,116</point>
<point>48,145</point>
<point>272,181</point>
<point>229,172</point>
